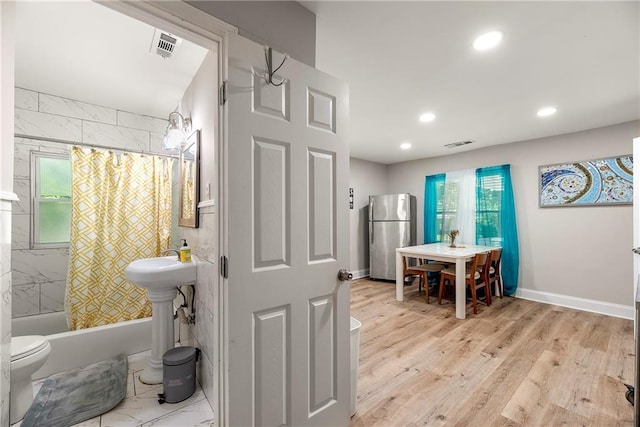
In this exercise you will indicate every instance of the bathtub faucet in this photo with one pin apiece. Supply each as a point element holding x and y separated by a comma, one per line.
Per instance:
<point>166,251</point>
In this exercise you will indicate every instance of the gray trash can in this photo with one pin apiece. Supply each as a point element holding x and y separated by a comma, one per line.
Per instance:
<point>355,356</point>
<point>179,374</point>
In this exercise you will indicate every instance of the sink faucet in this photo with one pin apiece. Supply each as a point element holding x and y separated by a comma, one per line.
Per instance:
<point>166,251</point>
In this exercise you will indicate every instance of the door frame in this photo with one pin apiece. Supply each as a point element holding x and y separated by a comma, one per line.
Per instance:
<point>211,33</point>
<point>636,227</point>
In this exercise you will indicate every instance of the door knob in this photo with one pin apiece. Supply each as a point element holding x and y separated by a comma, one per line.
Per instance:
<point>636,251</point>
<point>344,275</point>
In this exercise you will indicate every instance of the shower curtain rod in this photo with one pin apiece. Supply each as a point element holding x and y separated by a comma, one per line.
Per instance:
<point>82,144</point>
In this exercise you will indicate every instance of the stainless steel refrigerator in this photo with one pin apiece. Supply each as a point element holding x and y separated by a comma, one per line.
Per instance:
<point>392,224</point>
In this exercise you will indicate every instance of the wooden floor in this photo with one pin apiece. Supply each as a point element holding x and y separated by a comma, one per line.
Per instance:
<point>516,363</point>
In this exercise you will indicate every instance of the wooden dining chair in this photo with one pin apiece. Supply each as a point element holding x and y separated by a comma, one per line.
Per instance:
<point>421,270</point>
<point>494,271</point>
<point>491,271</point>
<point>475,278</point>
<point>485,276</point>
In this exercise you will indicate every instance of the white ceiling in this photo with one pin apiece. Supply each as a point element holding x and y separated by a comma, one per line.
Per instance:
<point>84,51</point>
<point>404,58</point>
<point>399,58</point>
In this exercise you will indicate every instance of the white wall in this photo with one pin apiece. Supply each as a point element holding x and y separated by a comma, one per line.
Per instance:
<point>581,252</point>
<point>200,103</point>
<point>286,26</point>
<point>366,178</point>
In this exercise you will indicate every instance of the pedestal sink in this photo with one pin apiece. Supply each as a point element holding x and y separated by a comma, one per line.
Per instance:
<point>161,277</point>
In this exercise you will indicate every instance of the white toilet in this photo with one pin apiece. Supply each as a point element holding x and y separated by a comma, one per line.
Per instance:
<point>28,354</point>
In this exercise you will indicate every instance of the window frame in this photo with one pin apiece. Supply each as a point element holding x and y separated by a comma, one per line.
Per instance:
<point>442,214</point>
<point>499,240</point>
<point>36,200</point>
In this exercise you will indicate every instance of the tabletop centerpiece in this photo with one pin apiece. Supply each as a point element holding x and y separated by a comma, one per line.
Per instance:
<point>452,235</point>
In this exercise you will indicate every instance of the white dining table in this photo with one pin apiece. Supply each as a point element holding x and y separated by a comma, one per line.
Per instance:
<point>441,252</point>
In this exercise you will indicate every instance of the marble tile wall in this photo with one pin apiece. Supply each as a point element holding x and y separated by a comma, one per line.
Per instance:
<point>5,308</point>
<point>76,109</point>
<point>39,275</point>
<point>44,125</point>
<point>203,241</point>
<point>47,116</point>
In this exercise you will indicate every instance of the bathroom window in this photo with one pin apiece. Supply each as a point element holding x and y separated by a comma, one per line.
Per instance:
<point>51,192</point>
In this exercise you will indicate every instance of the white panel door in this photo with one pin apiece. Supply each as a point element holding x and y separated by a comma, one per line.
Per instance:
<point>287,312</point>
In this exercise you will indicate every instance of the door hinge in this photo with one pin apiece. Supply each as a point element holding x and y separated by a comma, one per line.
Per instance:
<point>224,267</point>
<point>223,93</point>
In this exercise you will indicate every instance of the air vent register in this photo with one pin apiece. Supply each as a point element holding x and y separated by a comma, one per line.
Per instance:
<point>164,44</point>
<point>457,144</point>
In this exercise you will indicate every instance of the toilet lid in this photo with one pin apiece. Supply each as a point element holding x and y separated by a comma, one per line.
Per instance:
<point>26,346</point>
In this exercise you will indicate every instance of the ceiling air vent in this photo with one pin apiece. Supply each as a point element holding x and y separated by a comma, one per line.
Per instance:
<point>164,44</point>
<point>457,144</point>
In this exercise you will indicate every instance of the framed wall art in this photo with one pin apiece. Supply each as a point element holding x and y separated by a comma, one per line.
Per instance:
<point>590,183</point>
<point>189,189</point>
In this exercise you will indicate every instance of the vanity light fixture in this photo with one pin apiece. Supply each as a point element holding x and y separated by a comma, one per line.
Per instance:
<point>177,131</point>
<point>427,117</point>
<point>546,111</point>
<point>405,145</point>
<point>488,40</point>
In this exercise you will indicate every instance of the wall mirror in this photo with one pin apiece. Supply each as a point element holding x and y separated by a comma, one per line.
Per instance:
<point>189,181</point>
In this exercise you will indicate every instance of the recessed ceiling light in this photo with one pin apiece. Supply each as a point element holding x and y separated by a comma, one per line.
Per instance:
<point>488,40</point>
<point>405,145</point>
<point>546,111</point>
<point>427,117</point>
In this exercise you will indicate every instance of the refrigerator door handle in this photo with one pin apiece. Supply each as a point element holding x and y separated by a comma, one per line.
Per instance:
<point>371,219</point>
<point>371,232</point>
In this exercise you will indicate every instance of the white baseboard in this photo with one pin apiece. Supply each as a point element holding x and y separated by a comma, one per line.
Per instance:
<point>358,274</point>
<point>610,309</point>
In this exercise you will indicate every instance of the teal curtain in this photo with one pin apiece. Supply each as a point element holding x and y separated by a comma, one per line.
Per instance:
<point>495,216</point>
<point>431,197</point>
<point>496,219</point>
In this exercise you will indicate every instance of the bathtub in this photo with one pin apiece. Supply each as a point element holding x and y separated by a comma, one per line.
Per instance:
<point>74,349</point>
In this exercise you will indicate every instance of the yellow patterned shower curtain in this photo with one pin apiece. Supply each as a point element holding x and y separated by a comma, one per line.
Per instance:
<point>121,211</point>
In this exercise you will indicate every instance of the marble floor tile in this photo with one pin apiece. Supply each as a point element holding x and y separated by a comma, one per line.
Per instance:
<point>93,422</point>
<point>137,362</point>
<point>142,388</point>
<point>131,389</point>
<point>141,407</point>
<point>196,414</point>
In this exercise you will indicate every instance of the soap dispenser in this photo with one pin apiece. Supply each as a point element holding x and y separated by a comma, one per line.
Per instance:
<point>185,252</point>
